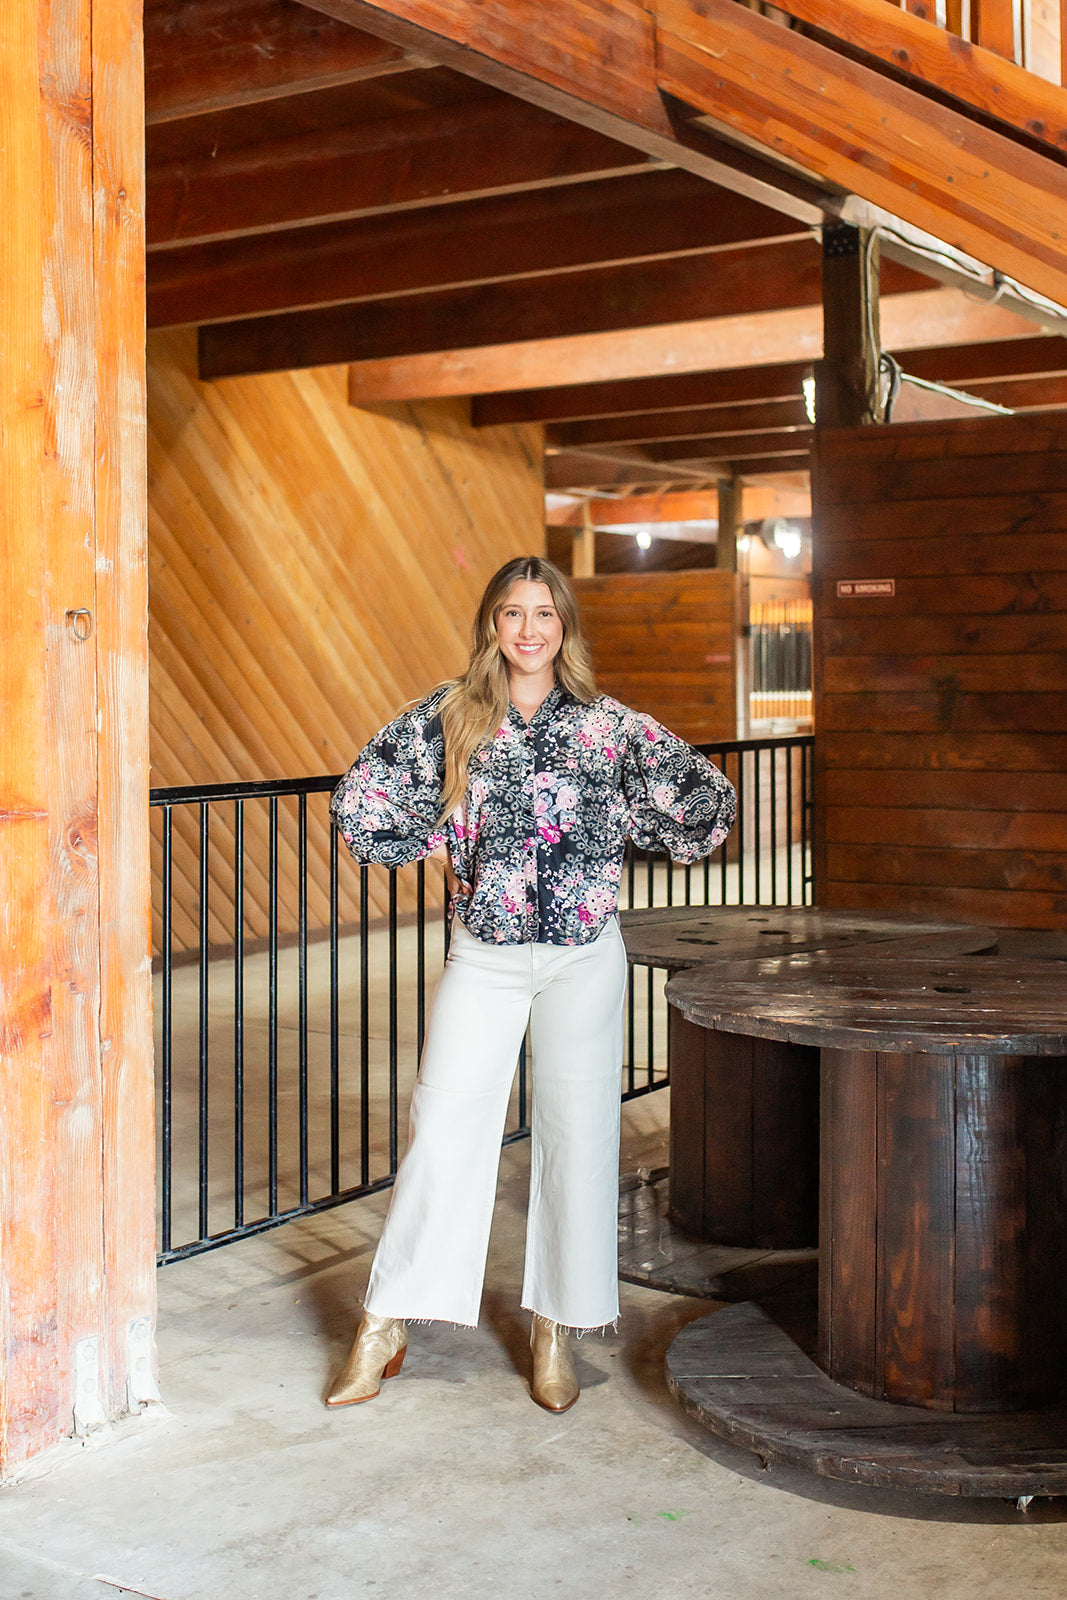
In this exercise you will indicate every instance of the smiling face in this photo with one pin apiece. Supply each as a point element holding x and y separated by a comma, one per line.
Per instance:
<point>529,629</point>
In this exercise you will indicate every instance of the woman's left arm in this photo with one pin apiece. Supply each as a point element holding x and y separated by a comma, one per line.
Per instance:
<point>679,801</point>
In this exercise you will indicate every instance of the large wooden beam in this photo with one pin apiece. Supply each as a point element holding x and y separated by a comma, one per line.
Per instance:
<point>923,50</point>
<point>644,217</point>
<point>976,189</point>
<point>704,423</point>
<point>592,63</point>
<point>210,55</point>
<point>728,282</point>
<point>918,320</point>
<point>456,152</point>
<point>77,1259</point>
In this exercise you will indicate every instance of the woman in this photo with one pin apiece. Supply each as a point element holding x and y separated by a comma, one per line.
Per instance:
<point>527,784</point>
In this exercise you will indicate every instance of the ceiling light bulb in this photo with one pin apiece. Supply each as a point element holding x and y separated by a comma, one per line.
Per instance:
<point>789,539</point>
<point>644,540</point>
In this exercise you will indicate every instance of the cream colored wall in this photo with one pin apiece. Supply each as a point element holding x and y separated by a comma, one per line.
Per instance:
<point>313,566</point>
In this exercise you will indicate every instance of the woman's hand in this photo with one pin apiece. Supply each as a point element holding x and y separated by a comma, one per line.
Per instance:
<point>441,854</point>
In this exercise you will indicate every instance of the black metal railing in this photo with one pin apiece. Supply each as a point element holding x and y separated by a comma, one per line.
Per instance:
<point>292,986</point>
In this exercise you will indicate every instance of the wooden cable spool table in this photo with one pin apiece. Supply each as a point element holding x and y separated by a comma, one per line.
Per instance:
<point>943,1224</point>
<point>744,1161</point>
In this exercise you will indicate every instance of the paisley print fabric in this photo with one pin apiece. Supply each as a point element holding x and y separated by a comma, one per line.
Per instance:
<point>537,845</point>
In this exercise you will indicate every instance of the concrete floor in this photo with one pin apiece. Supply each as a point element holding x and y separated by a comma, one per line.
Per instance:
<point>452,1484</point>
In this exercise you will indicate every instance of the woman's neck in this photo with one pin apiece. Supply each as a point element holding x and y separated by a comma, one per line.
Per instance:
<point>528,694</point>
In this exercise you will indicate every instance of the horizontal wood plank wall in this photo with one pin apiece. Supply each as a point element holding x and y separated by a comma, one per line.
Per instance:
<point>665,643</point>
<point>941,712</point>
<point>313,566</point>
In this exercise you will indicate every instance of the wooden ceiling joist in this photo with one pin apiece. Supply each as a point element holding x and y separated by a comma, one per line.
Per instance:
<point>210,55</point>
<point>594,64</point>
<point>849,128</point>
<point>732,282</point>
<point>574,403</point>
<point>918,320</point>
<point>728,447</point>
<point>643,217</point>
<point>491,145</point>
<point>704,423</point>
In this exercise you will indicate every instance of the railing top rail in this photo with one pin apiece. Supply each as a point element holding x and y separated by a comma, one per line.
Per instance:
<point>187,794</point>
<point>207,793</point>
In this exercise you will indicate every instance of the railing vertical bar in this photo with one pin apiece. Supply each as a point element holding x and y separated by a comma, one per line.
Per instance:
<point>630,1029</point>
<point>204,1023</point>
<point>757,826</point>
<point>773,759</point>
<point>808,770</point>
<point>523,1087</point>
<point>631,873</point>
<point>650,879</point>
<point>739,829</point>
<point>789,826</point>
<point>272,1006</point>
<point>238,1013</point>
<point>302,990</point>
<point>651,1030</point>
<point>167,1050</point>
<point>420,959</point>
<point>394,1108</point>
<point>335,1018</point>
<point>364,1027</point>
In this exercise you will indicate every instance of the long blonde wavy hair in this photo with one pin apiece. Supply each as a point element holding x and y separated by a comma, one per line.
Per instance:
<point>477,701</point>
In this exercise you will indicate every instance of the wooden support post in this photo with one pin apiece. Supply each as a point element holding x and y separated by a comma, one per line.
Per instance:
<point>583,551</point>
<point>731,523</point>
<point>846,379</point>
<point>76,1139</point>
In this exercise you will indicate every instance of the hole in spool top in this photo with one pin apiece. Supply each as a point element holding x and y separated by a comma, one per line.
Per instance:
<point>951,988</point>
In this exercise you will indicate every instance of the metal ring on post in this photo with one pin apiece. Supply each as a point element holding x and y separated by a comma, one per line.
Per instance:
<point>90,625</point>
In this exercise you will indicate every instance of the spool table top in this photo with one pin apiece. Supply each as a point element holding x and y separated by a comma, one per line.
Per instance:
<point>689,936</point>
<point>907,1004</point>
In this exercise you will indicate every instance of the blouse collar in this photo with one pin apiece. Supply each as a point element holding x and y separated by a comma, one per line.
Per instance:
<point>548,707</point>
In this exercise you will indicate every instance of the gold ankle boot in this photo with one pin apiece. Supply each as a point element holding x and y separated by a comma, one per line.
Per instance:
<point>554,1384</point>
<point>381,1343</point>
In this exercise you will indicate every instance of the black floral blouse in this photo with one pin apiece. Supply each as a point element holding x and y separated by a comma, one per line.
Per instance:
<point>537,845</point>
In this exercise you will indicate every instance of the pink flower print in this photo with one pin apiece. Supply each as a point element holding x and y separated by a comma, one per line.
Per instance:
<point>567,797</point>
<point>549,832</point>
<point>650,733</point>
<point>584,914</point>
<point>585,740</point>
<point>545,780</point>
<point>609,751</point>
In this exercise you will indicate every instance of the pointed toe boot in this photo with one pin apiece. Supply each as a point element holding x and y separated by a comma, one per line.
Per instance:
<point>378,1353</point>
<point>554,1384</point>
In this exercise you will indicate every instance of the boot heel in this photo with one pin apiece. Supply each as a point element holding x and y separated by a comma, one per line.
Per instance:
<point>393,1367</point>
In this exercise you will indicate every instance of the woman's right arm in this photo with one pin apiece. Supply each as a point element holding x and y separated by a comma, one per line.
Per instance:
<point>387,805</point>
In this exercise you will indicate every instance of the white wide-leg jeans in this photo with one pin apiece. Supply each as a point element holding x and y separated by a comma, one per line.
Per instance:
<point>431,1257</point>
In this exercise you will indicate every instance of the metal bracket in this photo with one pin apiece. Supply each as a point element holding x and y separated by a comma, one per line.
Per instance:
<point>141,1386</point>
<point>88,1408</point>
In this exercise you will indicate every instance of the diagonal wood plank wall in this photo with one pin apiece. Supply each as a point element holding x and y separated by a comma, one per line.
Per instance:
<point>313,566</point>
<point>941,717</point>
